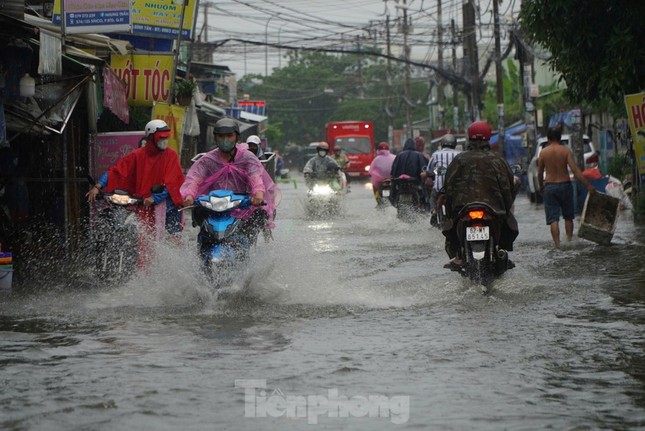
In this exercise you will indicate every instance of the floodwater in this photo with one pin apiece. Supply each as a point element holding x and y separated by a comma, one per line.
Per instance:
<point>346,323</point>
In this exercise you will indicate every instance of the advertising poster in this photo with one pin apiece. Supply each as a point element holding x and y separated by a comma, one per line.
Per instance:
<point>635,104</point>
<point>160,18</point>
<point>147,77</point>
<point>153,18</point>
<point>173,115</point>
<point>111,147</point>
<point>94,16</point>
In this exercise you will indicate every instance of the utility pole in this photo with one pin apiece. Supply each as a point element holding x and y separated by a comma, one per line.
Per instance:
<point>388,102</point>
<point>361,90</point>
<point>406,51</point>
<point>499,78</point>
<point>455,96</point>
<point>440,86</point>
<point>470,53</point>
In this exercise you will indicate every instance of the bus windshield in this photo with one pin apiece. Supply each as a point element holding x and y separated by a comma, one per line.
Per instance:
<point>354,145</point>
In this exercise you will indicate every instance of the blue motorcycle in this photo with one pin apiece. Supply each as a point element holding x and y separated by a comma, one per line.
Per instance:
<point>225,238</point>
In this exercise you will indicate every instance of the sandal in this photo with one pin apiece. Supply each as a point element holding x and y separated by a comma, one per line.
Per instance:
<point>453,266</point>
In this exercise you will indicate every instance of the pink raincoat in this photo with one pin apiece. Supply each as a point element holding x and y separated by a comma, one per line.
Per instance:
<point>243,173</point>
<point>381,167</point>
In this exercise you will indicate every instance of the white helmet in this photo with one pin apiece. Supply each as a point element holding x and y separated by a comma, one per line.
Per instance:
<point>155,126</point>
<point>255,140</point>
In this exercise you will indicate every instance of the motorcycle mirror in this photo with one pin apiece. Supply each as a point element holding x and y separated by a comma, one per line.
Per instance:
<point>157,188</point>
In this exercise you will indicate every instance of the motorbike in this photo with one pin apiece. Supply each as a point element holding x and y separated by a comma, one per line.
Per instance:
<point>324,194</point>
<point>478,230</point>
<point>115,237</point>
<point>406,197</point>
<point>384,193</point>
<point>224,240</point>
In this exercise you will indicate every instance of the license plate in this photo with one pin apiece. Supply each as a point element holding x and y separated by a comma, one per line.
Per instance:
<point>477,233</point>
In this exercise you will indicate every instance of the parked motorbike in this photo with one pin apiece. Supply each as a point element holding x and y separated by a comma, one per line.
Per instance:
<point>224,237</point>
<point>478,230</point>
<point>406,197</point>
<point>324,194</point>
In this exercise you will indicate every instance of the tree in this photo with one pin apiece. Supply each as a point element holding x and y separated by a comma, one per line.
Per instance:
<point>595,44</point>
<point>315,88</point>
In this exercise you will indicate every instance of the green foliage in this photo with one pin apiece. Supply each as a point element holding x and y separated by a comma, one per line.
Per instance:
<point>594,44</point>
<point>185,87</point>
<point>513,109</point>
<point>274,134</point>
<point>619,166</point>
<point>315,88</point>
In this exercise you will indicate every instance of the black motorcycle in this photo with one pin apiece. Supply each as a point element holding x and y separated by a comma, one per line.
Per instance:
<point>406,197</point>
<point>478,231</point>
<point>116,231</point>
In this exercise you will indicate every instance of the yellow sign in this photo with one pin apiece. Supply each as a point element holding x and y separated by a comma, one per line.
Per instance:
<point>147,77</point>
<point>173,115</point>
<point>635,104</point>
<point>160,18</point>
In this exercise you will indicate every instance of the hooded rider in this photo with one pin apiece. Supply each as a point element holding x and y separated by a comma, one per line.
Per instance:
<point>230,166</point>
<point>408,162</point>
<point>381,167</point>
<point>151,164</point>
<point>478,175</point>
<point>255,146</point>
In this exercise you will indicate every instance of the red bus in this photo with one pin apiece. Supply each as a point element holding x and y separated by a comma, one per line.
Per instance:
<point>356,138</point>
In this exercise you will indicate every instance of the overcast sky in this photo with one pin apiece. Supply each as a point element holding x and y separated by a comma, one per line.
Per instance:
<point>331,24</point>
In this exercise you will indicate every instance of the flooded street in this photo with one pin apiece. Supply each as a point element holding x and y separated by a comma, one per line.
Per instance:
<point>347,323</point>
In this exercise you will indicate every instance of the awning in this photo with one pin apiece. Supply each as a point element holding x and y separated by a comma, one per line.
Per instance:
<point>252,117</point>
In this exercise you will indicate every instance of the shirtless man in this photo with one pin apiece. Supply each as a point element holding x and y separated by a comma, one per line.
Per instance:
<point>556,186</point>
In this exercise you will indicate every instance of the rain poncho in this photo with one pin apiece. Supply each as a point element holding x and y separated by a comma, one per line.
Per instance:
<point>145,167</point>
<point>381,167</point>
<point>243,174</point>
<point>409,162</point>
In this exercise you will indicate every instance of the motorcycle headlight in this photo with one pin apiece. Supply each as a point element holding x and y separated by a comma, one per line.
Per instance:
<point>219,204</point>
<point>367,168</point>
<point>121,200</point>
<point>322,190</point>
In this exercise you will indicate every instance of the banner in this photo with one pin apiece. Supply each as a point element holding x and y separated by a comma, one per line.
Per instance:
<point>173,115</point>
<point>146,76</point>
<point>635,104</point>
<point>110,147</point>
<point>94,16</point>
<point>160,18</point>
<point>153,18</point>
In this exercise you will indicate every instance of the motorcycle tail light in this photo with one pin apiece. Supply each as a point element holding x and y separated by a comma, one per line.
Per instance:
<point>478,214</point>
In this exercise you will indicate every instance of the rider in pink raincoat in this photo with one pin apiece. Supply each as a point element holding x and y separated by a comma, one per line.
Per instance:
<point>380,167</point>
<point>231,167</point>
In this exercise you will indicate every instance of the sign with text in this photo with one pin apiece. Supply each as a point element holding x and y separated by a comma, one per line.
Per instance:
<point>635,104</point>
<point>173,115</point>
<point>147,76</point>
<point>153,18</point>
<point>110,147</point>
<point>94,16</point>
<point>160,18</point>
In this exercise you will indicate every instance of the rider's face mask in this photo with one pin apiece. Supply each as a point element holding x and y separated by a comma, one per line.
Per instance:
<point>225,145</point>
<point>322,153</point>
<point>162,143</point>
